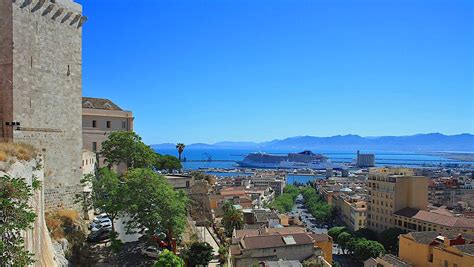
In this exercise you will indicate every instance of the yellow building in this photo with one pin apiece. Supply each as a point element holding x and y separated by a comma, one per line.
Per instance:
<point>410,219</point>
<point>432,249</point>
<point>352,210</point>
<point>390,190</point>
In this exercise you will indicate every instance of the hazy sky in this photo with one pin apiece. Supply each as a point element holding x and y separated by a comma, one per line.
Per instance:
<point>255,70</point>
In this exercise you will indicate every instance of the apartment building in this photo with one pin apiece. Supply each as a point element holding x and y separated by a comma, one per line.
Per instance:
<point>410,219</point>
<point>352,210</point>
<point>275,182</point>
<point>429,249</point>
<point>390,190</point>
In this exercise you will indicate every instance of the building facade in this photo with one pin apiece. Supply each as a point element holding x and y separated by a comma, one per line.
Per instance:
<point>251,249</point>
<point>390,190</point>
<point>41,88</point>
<point>365,160</point>
<point>352,211</point>
<point>410,219</point>
<point>100,117</point>
<point>429,249</point>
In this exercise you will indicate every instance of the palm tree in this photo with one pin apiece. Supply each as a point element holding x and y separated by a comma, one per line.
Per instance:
<point>180,147</point>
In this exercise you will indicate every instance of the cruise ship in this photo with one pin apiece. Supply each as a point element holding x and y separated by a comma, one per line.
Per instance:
<point>302,160</point>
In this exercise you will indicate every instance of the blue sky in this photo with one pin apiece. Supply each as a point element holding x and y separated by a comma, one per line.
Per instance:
<point>246,70</point>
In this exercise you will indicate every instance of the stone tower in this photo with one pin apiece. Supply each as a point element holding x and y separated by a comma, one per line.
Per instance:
<point>41,88</point>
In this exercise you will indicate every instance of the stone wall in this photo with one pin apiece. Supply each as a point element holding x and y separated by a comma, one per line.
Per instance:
<point>46,93</point>
<point>37,240</point>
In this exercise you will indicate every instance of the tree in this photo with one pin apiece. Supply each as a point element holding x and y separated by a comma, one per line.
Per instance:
<point>107,194</point>
<point>366,233</point>
<point>167,162</point>
<point>365,249</point>
<point>152,203</point>
<point>223,253</point>
<point>227,206</point>
<point>389,239</point>
<point>335,232</point>
<point>343,240</point>
<point>180,147</point>
<point>168,259</point>
<point>232,219</point>
<point>127,147</point>
<point>316,206</point>
<point>198,254</point>
<point>16,216</point>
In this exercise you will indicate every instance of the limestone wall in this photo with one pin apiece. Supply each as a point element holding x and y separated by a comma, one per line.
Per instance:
<point>45,93</point>
<point>37,240</point>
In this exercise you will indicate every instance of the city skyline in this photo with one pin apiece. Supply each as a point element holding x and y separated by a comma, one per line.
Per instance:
<point>208,71</point>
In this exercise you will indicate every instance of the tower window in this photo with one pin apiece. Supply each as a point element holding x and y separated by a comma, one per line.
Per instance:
<point>108,124</point>
<point>94,146</point>
<point>94,124</point>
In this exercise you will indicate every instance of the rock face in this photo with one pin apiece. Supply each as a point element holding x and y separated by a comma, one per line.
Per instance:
<point>37,240</point>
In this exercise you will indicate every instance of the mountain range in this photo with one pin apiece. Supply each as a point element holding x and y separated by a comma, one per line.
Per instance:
<point>434,142</point>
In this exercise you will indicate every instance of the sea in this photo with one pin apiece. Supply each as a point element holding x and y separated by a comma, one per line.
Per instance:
<point>206,158</point>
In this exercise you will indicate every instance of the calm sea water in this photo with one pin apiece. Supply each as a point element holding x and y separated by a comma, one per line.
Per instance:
<point>382,158</point>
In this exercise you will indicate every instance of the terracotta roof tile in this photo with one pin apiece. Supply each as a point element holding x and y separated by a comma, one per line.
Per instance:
<point>99,103</point>
<point>423,215</point>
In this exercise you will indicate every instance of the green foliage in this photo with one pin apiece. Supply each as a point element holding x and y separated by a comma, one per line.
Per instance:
<point>223,253</point>
<point>316,206</point>
<point>336,231</point>
<point>180,147</point>
<point>16,216</point>
<point>389,239</point>
<point>366,233</point>
<point>198,254</point>
<point>115,244</point>
<point>362,248</point>
<point>167,162</point>
<point>232,219</point>
<point>107,194</point>
<point>127,147</point>
<point>168,259</point>
<point>152,203</point>
<point>284,202</point>
<point>343,240</point>
<point>365,249</point>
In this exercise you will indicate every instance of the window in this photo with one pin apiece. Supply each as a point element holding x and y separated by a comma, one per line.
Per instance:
<point>124,125</point>
<point>187,184</point>
<point>108,124</point>
<point>446,264</point>
<point>94,146</point>
<point>94,124</point>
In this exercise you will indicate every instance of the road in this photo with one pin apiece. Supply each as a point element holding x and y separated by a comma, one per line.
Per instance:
<point>310,222</point>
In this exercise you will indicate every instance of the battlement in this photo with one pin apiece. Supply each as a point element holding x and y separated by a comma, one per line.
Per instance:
<point>63,11</point>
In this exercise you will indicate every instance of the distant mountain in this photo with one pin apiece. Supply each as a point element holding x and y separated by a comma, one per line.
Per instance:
<point>420,142</point>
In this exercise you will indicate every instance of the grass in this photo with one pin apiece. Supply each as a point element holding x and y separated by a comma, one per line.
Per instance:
<point>61,223</point>
<point>20,151</point>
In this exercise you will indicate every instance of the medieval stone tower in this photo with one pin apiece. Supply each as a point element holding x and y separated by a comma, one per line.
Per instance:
<point>41,88</point>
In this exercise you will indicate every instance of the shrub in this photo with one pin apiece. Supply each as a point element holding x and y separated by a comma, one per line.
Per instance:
<point>20,151</point>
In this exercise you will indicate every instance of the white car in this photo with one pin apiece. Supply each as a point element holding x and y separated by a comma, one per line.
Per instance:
<point>101,216</point>
<point>151,251</point>
<point>101,223</point>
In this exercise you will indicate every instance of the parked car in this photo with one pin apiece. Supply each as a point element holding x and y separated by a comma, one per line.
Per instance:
<point>101,216</point>
<point>151,251</point>
<point>101,223</point>
<point>101,226</point>
<point>98,236</point>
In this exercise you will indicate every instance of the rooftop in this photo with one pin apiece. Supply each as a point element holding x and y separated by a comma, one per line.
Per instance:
<point>99,103</point>
<point>436,218</point>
